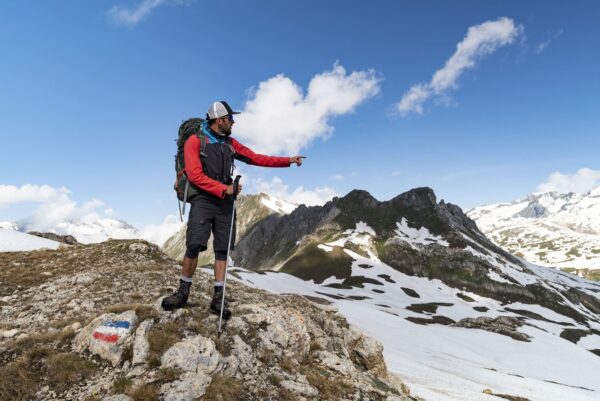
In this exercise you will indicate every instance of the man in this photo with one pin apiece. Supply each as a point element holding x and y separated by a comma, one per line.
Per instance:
<point>210,170</point>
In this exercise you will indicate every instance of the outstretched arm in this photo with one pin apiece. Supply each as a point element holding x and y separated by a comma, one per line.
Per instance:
<point>248,156</point>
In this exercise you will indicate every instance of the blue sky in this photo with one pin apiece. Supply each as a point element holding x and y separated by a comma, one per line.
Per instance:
<point>93,93</point>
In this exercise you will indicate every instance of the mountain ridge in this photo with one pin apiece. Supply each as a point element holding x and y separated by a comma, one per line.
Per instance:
<point>550,229</point>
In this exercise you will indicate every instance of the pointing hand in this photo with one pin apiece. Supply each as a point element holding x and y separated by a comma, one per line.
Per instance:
<point>297,160</point>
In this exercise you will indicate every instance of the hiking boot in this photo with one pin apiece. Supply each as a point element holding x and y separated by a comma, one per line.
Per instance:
<point>215,305</point>
<point>179,298</point>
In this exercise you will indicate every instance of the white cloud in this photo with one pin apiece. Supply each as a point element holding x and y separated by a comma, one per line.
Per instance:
<point>337,177</point>
<point>543,45</point>
<point>582,181</point>
<point>133,15</point>
<point>480,40</point>
<point>10,194</point>
<point>55,205</point>
<point>277,188</point>
<point>280,118</point>
<point>57,212</point>
<point>160,233</point>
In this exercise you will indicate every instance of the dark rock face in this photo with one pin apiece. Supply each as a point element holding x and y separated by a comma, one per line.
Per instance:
<point>65,239</point>
<point>279,240</point>
<point>504,325</point>
<point>273,239</point>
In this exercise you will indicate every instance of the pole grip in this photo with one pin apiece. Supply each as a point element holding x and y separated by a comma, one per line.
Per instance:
<point>236,184</point>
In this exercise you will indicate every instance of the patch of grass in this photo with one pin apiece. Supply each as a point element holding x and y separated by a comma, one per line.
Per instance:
<point>57,339</point>
<point>329,386</point>
<point>288,364</point>
<point>574,252</point>
<point>166,375</point>
<point>21,379</point>
<point>136,297</point>
<point>596,251</point>
<point>146,392</point>
<point>315,346</point>
<point>287,395</point>
<point>65,369</point>
<point>122,385</point>
<point>382,386</point>
<point>17,381</point>
<point>313,263</point>
<point>223,388</point>
<point>274,380</point>
<point>160,339</point>
<point>268,357</point>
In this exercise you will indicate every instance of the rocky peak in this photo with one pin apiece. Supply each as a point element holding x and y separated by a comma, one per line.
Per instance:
<point>357,198</point>
<point>417,198</point>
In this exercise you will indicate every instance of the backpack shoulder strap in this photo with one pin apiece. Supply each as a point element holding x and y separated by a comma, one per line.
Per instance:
<point>202,138</point>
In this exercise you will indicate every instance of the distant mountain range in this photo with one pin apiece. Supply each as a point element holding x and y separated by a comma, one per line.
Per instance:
<point>459,317</point>
<point>549,229</point>
<point>419,275</point>
<point>87,231</point>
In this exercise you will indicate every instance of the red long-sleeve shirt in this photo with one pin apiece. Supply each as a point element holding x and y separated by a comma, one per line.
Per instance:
<point>195,174</point>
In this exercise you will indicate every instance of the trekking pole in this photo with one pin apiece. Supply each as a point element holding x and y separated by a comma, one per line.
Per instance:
<point>236,184</point>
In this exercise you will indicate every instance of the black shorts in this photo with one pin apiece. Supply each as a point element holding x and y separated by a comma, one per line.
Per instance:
<point>208,215</point>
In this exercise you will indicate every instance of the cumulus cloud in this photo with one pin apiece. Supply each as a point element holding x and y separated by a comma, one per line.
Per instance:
<point>133,15</point>
<point>10,194</point>
<point>160,233</point>
<point>55,206</point>
<point>480,40</point>
<point>280,118</point>
<point>276,187</point>
<point>583,181</point>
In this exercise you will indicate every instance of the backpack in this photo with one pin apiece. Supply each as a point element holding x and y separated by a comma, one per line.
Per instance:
<point>185,191</point>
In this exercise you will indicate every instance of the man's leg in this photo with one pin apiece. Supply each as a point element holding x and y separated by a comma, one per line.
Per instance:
<point>198,232</point>
<point>189,266</point>
<point>219,269</point>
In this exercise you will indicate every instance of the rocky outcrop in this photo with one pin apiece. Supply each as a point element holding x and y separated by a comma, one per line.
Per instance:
<point>65,239</point>
<point>504,325</point>
<point>99,328</point>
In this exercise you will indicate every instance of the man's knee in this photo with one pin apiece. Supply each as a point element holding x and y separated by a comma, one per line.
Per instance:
<point>193,250</point>
<point>220,255</point>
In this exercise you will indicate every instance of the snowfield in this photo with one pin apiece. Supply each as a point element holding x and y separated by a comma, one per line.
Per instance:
<point>15,241</point>
<point>447,363</point>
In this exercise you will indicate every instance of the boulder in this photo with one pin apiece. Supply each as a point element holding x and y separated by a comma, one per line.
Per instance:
<point>140,344</point>
<point>107,336</point>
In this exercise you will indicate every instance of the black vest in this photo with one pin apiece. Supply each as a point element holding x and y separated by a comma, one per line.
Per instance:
<point>217,161</point>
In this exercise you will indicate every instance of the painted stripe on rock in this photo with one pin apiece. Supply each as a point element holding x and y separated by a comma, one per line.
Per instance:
<point>109,338</point>
<point>111,331</point>
<point>121,323</point>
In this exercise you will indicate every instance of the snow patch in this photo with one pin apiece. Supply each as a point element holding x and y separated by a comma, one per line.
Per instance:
<point>420,236</point>
<point>15,241</point>
<point>277,205</point>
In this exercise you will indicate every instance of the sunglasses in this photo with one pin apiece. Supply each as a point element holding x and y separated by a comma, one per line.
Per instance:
<point>229,117</point>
